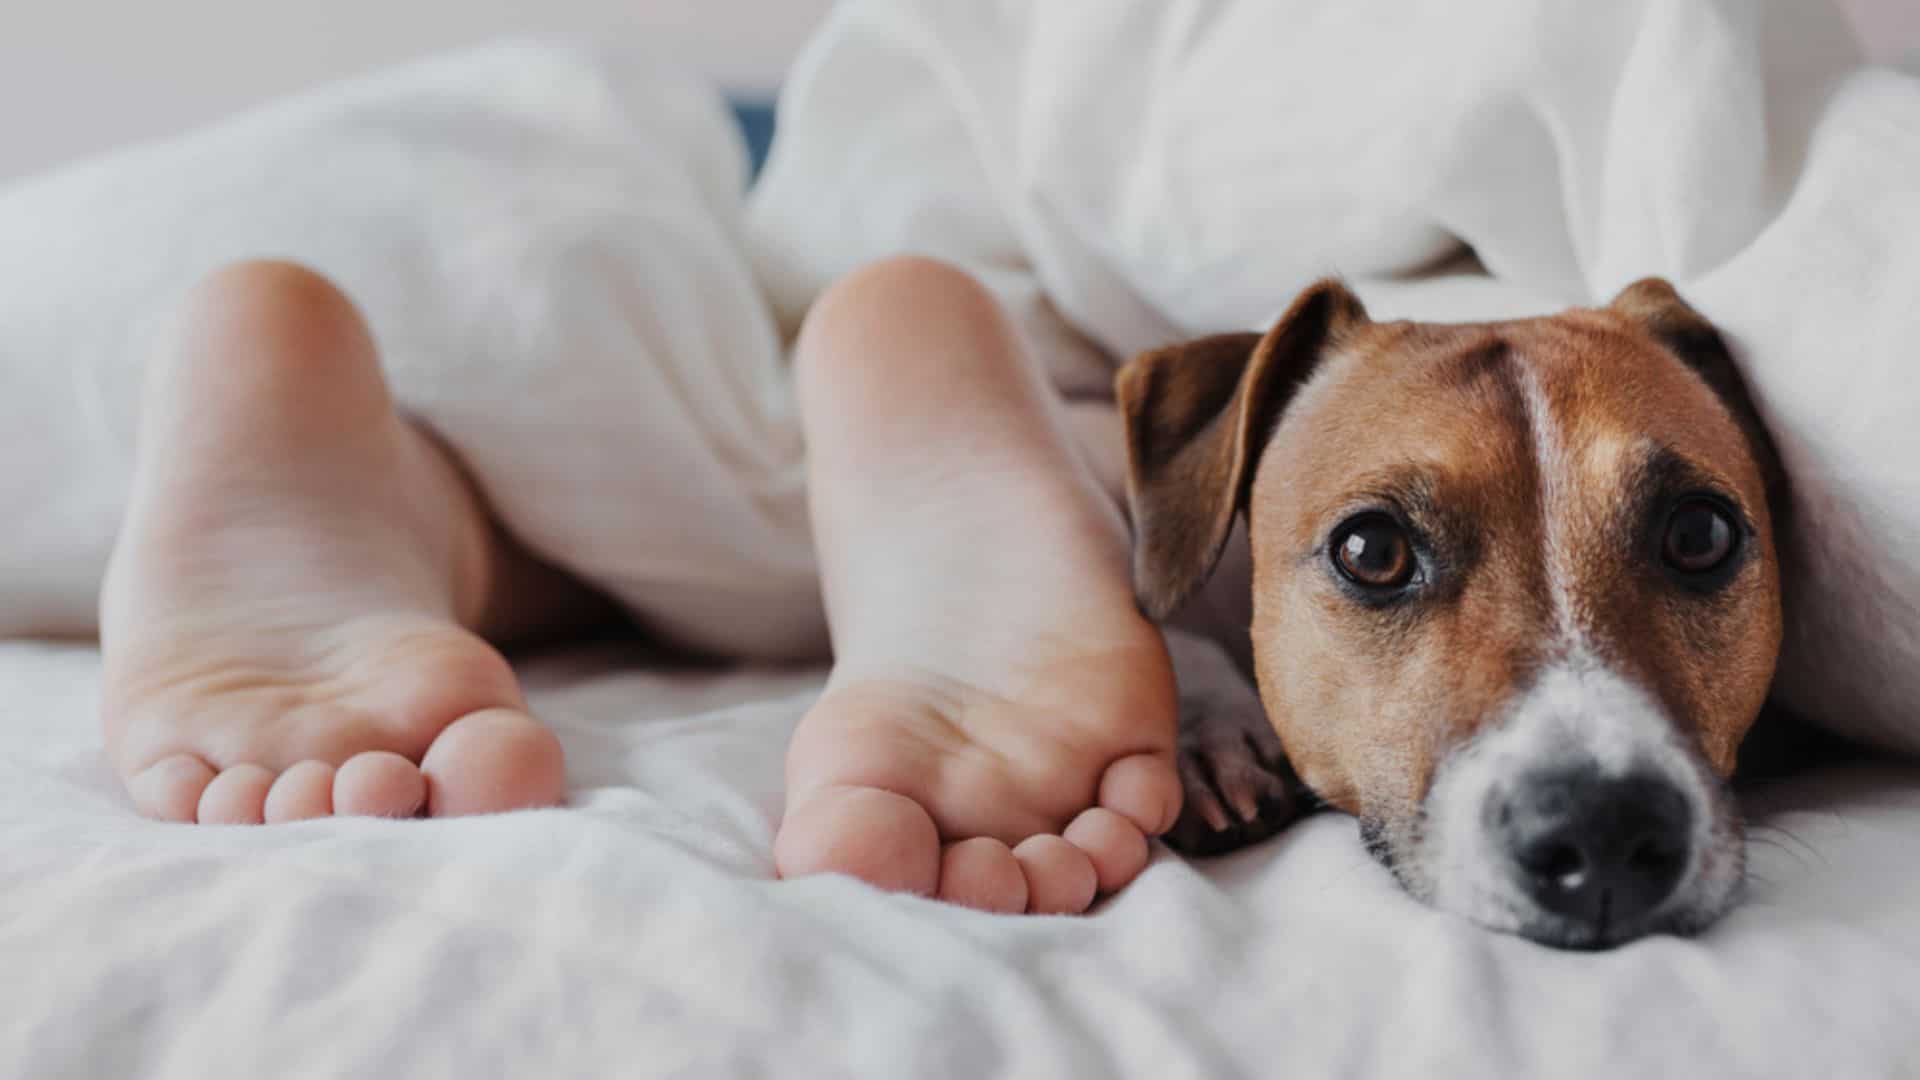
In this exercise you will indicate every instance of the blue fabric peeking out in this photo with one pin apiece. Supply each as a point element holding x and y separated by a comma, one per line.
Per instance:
<point>756,123</point>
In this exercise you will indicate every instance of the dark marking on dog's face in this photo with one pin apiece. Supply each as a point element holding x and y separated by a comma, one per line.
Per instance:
<point>1516,595</point>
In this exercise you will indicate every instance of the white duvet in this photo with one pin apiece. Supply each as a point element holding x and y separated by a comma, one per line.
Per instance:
<point>639,933</point>
<point>553,249</point>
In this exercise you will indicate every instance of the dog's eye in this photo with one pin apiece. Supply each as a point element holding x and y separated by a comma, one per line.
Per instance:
<point>1373,551</point>
<point>1701,537</point>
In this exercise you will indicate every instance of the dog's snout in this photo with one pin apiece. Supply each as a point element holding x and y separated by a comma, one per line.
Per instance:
<point>1602,852</point>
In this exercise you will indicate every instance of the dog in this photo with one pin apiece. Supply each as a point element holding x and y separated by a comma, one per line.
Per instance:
<point>1515,598</point>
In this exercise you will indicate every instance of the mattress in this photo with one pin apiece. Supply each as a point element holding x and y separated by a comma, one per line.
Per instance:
<point>640,931</point>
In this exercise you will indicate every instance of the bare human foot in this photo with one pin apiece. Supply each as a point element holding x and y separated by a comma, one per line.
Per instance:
<point>292,618</point>
<point>999,727</point>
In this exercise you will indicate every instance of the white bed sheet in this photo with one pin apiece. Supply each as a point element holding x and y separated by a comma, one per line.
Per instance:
<point>638,932</point>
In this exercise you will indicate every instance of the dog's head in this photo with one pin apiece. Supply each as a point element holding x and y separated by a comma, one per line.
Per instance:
<point>1515,590</point>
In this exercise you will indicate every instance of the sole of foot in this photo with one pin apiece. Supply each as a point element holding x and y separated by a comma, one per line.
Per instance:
<point>287,620</point>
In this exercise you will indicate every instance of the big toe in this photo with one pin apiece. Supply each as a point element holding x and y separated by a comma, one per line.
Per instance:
<point>878,836</point>
<point>493,761</point>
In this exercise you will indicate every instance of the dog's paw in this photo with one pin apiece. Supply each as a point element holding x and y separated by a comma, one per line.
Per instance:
<point>1239,787</point>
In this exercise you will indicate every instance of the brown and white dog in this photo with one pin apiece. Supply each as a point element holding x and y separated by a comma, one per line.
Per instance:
<point>1515,597</point>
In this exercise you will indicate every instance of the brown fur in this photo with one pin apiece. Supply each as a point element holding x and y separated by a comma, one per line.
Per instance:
<point>1329,413</point>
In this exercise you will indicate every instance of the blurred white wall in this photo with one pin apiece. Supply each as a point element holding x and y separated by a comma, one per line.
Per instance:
<point>78,76</point>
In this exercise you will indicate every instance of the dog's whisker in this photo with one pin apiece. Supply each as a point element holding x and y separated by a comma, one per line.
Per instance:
<point>1792,842</point>
<point>1791,854</point>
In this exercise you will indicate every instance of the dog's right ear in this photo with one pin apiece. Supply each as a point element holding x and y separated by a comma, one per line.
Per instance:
<point>1197,417</point>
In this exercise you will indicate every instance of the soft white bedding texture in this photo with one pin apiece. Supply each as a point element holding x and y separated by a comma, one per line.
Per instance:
<point>551,247</point>
<point>638,933</point>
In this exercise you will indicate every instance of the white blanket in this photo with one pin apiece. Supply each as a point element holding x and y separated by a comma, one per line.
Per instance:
<point>639,933</point>
<point>545,241</point>
<point>549,244</point>
<point>1159,170</point>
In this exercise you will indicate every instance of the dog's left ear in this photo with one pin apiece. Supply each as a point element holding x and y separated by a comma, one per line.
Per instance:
<point>1657,308</point>
<point>1197,417</point>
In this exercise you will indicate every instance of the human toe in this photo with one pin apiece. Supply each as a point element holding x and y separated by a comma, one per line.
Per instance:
<point>878,836</point>
<point>493,761</point>
<point>982,873</point>
<point>301,792</point>
<point>1144,789</point>
<point>378,783</point>
<point>236,797</point>
<point>1061,879</point>
<point>170,788</point>
<point>1114,844</point>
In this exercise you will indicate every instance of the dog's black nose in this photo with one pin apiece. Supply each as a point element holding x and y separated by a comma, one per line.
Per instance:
<point>1603,852</point>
